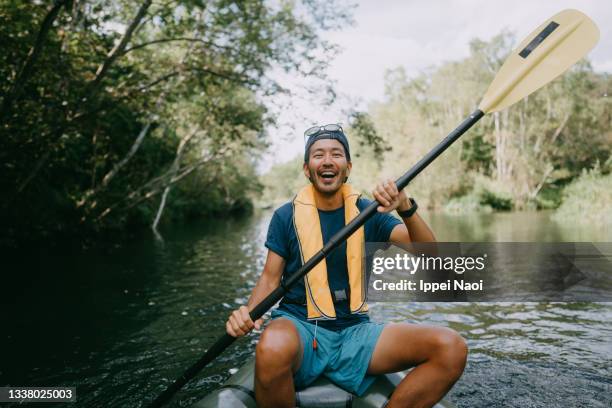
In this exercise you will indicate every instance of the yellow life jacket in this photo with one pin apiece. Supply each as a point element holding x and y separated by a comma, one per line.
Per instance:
<point>319,301</point>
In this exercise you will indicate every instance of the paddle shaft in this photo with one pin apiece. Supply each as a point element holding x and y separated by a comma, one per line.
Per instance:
<point>277,294</point>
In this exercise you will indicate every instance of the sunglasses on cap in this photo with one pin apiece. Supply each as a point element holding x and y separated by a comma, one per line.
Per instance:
<point>317,130</point>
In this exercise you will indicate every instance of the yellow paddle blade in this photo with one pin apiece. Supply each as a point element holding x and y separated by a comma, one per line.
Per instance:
<point>545,54</point>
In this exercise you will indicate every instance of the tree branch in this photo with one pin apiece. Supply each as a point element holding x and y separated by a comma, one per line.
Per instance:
<point>534,193</point>
<point>176,39</point>
<point>118,166</point>
<point>138,196</point>
<point>120,47</point>
<point>100,73</point>
<point>173,169</point>
<point>158,80</point>
<point>135,146</point>
<point>156,185</point>
<point>27,68</point>
<point>560,128</point>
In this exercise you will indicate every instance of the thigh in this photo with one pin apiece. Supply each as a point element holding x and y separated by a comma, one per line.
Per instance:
<point>311,363</point>
<point>404,345</point>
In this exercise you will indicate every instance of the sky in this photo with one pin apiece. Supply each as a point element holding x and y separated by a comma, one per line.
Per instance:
<point>415,34</point>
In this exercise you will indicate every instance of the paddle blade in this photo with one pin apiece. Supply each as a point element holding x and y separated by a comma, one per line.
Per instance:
<point>545,54</point>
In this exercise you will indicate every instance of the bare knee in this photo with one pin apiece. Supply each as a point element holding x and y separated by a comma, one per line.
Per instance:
<point>451,351</point>
<point>280,341</point>
<point>277,351</point>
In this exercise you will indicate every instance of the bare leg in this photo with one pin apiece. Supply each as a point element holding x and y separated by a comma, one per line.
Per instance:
<point>277,356</point>
<point>438,353</point>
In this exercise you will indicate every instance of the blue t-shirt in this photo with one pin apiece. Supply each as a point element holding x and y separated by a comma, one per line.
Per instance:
<point>282,240</point>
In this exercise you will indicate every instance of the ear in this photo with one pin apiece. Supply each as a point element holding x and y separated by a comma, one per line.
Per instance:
<point>349,166</point>
<point>306,171</point>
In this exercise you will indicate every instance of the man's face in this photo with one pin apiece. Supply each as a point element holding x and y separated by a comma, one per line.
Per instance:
<point>327,166</point>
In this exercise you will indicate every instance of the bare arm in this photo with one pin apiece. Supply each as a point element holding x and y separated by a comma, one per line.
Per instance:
<point>239,322</point>
<point>269,279</point>
<point>414,228</point>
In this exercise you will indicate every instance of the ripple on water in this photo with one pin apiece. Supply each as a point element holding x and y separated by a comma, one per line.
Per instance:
<point>122,348</point>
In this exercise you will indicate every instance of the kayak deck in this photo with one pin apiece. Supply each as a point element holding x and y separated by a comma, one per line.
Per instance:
<point>238,392</point>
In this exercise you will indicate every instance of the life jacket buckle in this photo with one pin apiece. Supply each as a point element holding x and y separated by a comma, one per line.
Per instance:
<point>340,295</point>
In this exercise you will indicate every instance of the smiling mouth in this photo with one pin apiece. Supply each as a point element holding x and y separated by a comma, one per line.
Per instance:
<point>327,175</point>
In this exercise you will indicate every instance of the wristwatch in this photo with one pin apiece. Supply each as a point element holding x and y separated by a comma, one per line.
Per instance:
<point>409,212</point>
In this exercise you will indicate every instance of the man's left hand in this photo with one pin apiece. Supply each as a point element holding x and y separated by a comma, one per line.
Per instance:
<point>389,197</point>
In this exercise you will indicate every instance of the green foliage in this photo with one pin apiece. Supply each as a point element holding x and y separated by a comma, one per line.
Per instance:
<point>587,199</point>
<point>517,159</point>
<point>549,198</point>
<point>525,153</point>
<point>466,204</point>
<point>107,104</point>
<point>365,133</point>
<point>477,153</point>
<point>479,194</point>
<point>495,201</point>
<point>282,182</point>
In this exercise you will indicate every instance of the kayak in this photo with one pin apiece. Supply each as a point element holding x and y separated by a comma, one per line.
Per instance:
<point>238,392</point>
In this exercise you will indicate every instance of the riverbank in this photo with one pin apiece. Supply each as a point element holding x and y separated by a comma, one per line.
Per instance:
<point>587,200</point>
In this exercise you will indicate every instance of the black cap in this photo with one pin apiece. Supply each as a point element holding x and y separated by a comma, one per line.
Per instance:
<point>336,135</point>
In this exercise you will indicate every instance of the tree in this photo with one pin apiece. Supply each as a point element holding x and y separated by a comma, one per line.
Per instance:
<point>509,158</point>
<point>108,104</point>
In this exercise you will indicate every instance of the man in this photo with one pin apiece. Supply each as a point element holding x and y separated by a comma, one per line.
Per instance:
<point>321,327</point>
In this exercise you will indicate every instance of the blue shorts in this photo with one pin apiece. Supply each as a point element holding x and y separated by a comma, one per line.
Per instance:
<point>343,357</point>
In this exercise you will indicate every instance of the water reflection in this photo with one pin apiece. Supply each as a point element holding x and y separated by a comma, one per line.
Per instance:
<point>513,227</point>
<point>121,323</point>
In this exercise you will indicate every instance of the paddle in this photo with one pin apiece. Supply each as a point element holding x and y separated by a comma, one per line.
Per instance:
<point>546,53</point>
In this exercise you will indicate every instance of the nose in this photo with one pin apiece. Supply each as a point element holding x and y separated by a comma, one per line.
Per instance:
<point>327,159</point>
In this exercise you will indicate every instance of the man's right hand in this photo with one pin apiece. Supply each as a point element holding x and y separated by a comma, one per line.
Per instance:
<point>240,323</point>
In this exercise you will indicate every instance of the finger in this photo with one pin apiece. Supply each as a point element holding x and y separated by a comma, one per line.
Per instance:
<point>236,326</point>
<point>383,192</point>
<point>393,187</point>
<point>258,323</point>
<point>233,323</point>
<point>380,208</point>
<point>236,317</point>
<point>379,197</point>
<point>245,326</point>
<point>246,318</point>
<point>230,330</point>
<point>390,189</point>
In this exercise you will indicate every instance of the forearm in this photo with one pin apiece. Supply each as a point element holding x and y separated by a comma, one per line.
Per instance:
<point>262,289</point>
<point>418,229</point>
<point>239,322</point>
<point>390,198</point>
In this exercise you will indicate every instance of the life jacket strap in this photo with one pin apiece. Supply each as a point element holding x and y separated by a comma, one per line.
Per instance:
<point>338,296</point>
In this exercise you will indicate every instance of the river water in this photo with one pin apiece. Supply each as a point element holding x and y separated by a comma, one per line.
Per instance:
<point>121,321</point>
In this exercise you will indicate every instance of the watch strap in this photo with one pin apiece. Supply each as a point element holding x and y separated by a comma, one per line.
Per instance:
<point>409,212</point>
